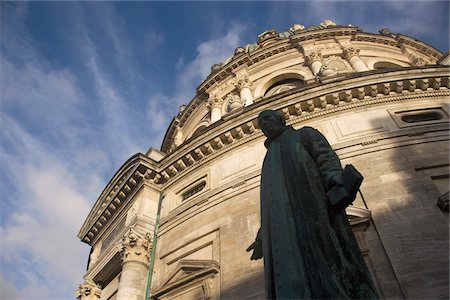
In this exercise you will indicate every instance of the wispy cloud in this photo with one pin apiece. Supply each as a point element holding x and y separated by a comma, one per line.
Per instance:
<point>161,108</point>
<point>210,52</point>
<point>55,157</point>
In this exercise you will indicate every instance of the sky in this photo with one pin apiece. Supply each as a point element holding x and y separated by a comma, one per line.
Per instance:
<point>85,85</point>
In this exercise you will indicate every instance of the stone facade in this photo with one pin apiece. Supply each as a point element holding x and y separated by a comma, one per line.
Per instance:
<point>174,223</point>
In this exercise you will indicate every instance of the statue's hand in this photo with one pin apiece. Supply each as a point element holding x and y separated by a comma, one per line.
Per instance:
<point>257,250</point>
<point>337,180</point>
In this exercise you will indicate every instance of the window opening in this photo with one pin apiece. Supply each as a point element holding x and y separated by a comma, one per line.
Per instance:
<point>284,85</point>
<point>194,190</point>
<point>421,117</point>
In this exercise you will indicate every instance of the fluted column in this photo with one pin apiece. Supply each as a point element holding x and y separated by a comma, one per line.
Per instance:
<point>352,55</point>
<point>135,262</point>
<point>89,290</point>
<point>243,84</point>
<point>215,106</point>
<point>314,60</point>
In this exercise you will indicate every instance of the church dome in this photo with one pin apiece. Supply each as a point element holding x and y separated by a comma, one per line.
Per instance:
<point>313,55</point>
<point>185,214</point>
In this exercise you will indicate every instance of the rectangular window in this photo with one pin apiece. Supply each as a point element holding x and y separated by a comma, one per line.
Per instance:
<point>424,116</point>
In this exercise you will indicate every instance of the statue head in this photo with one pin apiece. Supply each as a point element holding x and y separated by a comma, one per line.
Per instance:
<point>271,122</point>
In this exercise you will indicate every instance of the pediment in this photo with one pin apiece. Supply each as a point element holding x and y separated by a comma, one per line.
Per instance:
<point>186,272</point>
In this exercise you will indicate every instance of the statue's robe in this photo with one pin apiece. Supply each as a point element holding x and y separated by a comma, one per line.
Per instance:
<point>309,250</point>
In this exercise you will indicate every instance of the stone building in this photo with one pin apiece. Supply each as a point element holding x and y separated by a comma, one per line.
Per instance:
<point>174,223</point>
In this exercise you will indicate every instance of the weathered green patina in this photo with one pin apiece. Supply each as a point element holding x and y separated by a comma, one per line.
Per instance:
<point>308,246</point>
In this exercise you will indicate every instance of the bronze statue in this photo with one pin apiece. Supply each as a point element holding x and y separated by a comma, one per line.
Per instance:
<point>309,249</point>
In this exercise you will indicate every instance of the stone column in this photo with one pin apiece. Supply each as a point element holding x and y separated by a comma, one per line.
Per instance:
<point>243,84</point>
<point>215,105</point>
<point>314,60</point>
<point>135,262</point>
<point>352,55</point>
<point>89,290</point>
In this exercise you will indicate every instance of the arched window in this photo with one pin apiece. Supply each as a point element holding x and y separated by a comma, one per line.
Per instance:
<point>283,86</point>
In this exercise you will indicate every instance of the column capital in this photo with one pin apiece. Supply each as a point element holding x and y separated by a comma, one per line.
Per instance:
<point>349,52</point>
<point>243,81</point>
<point>214,100</point>
<point>136,247</point>
<point>88,290</point>
<point>312,57</point>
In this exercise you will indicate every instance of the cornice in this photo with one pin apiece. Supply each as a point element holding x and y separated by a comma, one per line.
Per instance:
<point>420,46</point>
<point>135,171</point>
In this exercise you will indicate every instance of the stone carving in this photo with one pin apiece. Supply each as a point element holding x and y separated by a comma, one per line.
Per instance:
<point>136,247</point>
<point>350,52</point>
<point>297,27</point>
<point>327,23</point>
<point>417,61</point>
<point>88,291</point>
<point>327,70</point>
<point>215,67</point>
<point>312,57</point>
<point>234,102</point>
<point>207,287</point>
<point>387,32</point>
<point>181,108</point>
<point>239,50</point>
<point>242,81</point>
<point>214,100</point>
<point>305,238</point>
<point>178,139</point>
<point>267,37</point>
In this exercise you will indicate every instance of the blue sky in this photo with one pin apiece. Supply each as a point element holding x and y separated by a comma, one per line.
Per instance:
<point>85,85</point>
